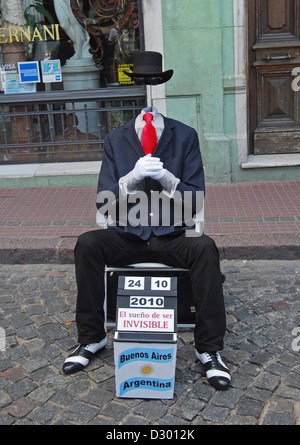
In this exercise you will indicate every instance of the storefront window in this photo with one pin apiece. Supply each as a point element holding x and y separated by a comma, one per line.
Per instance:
<point>67,44</point>
<point>70,56</point>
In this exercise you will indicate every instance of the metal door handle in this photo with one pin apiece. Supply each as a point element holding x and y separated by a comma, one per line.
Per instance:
<point>286,56</point>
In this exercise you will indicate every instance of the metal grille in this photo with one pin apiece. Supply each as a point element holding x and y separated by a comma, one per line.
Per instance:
<point>63,125</point>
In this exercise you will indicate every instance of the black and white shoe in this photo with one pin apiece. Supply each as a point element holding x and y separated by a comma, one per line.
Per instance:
<point>217,373</point>
<point>81,357</point>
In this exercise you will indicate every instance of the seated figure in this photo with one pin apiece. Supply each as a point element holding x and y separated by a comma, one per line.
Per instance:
<point>133,170</point>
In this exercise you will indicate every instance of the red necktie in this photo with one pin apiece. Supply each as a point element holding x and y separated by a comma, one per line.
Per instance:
<point>149,139</point>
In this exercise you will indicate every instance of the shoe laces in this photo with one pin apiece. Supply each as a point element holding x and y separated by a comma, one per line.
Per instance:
<point>213,357</point>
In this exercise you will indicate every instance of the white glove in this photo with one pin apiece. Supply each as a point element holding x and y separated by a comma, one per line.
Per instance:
<point>148,166</point>
<point>159,173</point>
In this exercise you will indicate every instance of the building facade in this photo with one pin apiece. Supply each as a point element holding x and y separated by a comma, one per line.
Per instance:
<point>236,68</point>
<point>235,80</point>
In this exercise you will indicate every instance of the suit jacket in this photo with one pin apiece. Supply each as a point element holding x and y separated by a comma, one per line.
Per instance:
<point>178,149</point>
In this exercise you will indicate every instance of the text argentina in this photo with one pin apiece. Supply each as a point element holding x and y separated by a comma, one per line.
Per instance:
<point>151,383</point>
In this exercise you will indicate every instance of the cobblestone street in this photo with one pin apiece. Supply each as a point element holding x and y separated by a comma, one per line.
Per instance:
<point>37,310</point>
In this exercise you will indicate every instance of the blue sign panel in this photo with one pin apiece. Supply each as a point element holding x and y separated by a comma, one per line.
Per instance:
<point>29,72</point>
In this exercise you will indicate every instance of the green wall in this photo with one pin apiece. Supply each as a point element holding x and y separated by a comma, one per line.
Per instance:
<point>199,46</point>
<point>194,35</point>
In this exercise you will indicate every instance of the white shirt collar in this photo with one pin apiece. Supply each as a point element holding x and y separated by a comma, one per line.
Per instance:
<point>157,120</point>
<point>150,110</point>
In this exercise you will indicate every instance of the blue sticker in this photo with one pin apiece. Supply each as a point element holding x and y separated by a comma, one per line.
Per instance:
<point>143,354</point>
<point>29,72</point>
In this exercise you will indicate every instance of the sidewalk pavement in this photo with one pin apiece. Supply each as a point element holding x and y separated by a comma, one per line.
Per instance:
<point>262,350</point>
<point>256,227</point>
<point>256,220</point>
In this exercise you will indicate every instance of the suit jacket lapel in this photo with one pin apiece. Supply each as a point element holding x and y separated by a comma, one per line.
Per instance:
<point>165,138</point>
<point>132,138</point>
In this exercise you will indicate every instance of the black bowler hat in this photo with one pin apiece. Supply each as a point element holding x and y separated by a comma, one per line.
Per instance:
<point>147,69</point>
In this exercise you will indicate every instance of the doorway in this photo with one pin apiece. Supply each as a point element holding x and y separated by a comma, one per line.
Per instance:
<point>273,54</point>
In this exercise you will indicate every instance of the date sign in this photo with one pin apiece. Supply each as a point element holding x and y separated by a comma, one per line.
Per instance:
<point>157,283</point>
<point>147,304</point>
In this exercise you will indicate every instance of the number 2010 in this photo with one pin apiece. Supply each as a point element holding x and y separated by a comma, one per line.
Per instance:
<point>146,301</point>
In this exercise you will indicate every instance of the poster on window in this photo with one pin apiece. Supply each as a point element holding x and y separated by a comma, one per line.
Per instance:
<point>51,71</point>
<point>122,76</point>
<point>29,72</point>
<point>12,85</point>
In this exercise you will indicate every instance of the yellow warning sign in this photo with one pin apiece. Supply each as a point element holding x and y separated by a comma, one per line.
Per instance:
<point>123,78</point>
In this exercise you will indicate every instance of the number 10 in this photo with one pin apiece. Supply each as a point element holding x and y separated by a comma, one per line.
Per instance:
<point>161,283</point>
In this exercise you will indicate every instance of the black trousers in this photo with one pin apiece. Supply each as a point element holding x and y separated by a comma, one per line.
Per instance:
<point>200,255</point>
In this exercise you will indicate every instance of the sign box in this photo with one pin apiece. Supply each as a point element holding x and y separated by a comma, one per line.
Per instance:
<point>145,343</point>
<point>185,307</point>
<point>145,369</point>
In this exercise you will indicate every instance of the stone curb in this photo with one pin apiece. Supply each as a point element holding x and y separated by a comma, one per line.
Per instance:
<point>231,247</point>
